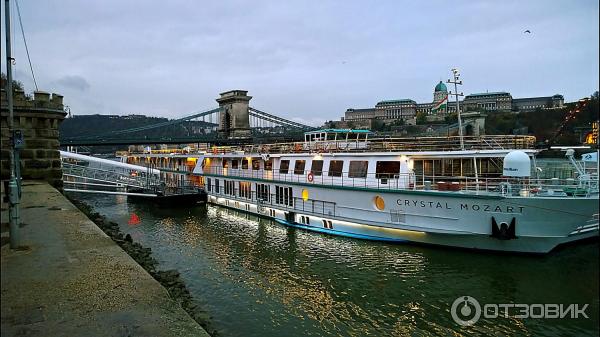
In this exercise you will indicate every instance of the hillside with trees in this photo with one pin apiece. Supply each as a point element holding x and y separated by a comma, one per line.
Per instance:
<point>103,125</point>
<point>543,124</point>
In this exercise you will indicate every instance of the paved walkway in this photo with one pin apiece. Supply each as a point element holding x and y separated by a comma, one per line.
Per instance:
<point>73,280</point>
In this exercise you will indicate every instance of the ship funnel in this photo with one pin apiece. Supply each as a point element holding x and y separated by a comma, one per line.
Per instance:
<point>517,164</point>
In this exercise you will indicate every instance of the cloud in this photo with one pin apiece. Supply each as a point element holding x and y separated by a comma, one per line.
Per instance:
<point>298,59</point>
<point>73,82</point>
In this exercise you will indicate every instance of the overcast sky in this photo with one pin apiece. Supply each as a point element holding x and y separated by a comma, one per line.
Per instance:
<point>305,60</point>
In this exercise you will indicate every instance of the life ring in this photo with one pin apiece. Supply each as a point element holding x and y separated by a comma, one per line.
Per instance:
<point>298,147</point>
<point>215,150</point>
<point>310,177</point>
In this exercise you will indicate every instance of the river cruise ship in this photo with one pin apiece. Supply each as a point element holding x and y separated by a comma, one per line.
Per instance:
<point>476,192</point>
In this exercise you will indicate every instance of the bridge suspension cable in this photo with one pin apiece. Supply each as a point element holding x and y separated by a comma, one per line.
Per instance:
<point>272,118</point>
<point>167,123</point>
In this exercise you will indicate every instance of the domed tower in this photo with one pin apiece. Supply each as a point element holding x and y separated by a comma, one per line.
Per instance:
<point>440,99</point>
<point>440,92</point>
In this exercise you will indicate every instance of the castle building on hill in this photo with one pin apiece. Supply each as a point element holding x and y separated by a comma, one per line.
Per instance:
<point>406,109</point>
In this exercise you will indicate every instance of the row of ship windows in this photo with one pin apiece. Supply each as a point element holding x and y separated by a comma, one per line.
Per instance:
<point>385,169</point>
<point>357,168</point>
<point>283,195</point>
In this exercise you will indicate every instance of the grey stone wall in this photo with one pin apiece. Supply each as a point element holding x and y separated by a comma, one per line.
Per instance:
<point>38,117</point>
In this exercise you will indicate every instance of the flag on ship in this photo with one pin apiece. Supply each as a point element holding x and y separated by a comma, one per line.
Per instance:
<point>441,105</point>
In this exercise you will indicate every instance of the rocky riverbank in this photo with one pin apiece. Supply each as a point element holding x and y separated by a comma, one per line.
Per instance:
<point>170,279</point>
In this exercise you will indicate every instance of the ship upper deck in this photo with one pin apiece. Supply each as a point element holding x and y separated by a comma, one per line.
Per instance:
<point>355,142</point>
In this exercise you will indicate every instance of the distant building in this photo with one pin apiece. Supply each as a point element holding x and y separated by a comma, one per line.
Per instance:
<point>439,104</point>
<point>396,109</point>
<point>533,103</point>
<point>360,114</point>
<point>405,109</point>
<point>489,101</point>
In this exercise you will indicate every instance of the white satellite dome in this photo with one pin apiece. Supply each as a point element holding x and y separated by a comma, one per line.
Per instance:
<point>517,164</point>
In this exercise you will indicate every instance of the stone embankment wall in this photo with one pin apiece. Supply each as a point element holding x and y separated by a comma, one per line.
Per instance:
<point>38,117</point>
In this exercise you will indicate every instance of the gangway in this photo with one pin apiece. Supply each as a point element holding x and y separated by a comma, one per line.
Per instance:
<point>88,174</point>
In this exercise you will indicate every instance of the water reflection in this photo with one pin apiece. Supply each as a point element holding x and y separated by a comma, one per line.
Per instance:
<point>259,278</point>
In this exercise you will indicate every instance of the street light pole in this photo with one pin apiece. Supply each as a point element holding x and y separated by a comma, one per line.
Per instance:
<point>13,188</point>
<point>456,81</point>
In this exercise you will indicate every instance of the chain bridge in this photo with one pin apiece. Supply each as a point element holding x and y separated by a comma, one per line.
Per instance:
<point>234,121</point>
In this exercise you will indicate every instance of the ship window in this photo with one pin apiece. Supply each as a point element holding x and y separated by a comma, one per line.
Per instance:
<point>358,169</point>
<point>284,196</point>
<point>387,169</point>
<point>289,197</point>
<point>217,186</point>
<point>317,167</point>
<point>225,163</point>
<point>262,192</point>
<point>278,195</point>
<point>299,166</point>
<point>244,164</point>
<point>269,165</point>
<point>284,166</point>
<point>234,164</point>
<point>229,187</point>
<point>256,164</point>
<point>335,168</point>
<point>208,184</point>
<point>245,190</point>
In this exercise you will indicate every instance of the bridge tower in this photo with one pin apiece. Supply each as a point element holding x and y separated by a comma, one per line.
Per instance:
<point>235,118</point>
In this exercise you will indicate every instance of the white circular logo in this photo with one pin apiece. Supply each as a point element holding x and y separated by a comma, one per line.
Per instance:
<point>465,310</point>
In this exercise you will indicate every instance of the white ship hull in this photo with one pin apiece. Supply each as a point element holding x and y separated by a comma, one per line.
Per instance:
<point>452,219</point>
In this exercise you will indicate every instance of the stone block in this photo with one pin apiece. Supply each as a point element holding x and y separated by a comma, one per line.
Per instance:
<point>52,154</point>
<point>36,164</point>
<point>27,154</point>
<point>41,96</point>
<point>46,133</point>
<point>41,123</point>
<point>57,164</point>
<point>40,154</point>
<point>55,173</point>
<point>57,99</point>
<point>29,133</point>
<point>39,143</point>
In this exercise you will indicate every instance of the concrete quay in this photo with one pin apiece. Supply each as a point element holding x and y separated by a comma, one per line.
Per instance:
<point>71,279</point>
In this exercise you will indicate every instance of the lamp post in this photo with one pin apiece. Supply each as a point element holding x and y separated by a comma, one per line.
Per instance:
<point>13,187</point>
<point>456,81</point>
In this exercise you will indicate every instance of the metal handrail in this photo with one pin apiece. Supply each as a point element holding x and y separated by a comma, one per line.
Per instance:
<point>309,206</point>
<point>116,177</point>
<point>487,142</point>
<point>525,187</point>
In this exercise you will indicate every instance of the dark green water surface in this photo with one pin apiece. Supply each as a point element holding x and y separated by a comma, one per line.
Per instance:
<point>256,277</point>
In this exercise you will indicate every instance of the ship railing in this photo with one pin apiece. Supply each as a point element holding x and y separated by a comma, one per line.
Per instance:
<point>114,176</point>
<point>525,187</point>
<point>175,188</point>
<point>280,201</point>
<point>390,145</point>
<point>487,142</point>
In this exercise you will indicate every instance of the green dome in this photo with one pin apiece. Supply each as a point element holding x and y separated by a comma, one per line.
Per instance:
<point>441,87</point>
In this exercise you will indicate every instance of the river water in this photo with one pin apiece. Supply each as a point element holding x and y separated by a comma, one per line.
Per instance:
<point>256,277</point>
